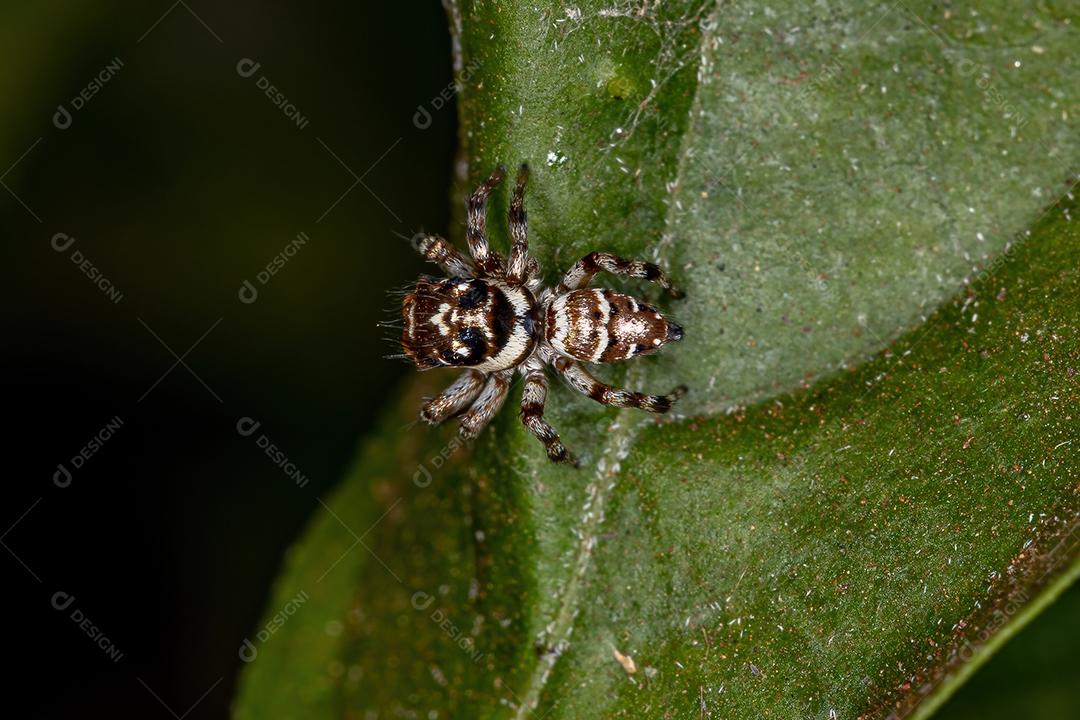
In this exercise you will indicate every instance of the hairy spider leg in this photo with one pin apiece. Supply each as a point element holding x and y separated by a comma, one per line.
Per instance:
<point>581,274</point>
<point>517,271</point>
<point>487,405</point>
<point>533,397</point>
<point>585,383</point>
<point>490,263</point>
<point>445,255</point>
<point>453,399</point>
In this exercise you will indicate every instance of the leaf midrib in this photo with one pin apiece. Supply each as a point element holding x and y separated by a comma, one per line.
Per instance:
<point>623,431</point>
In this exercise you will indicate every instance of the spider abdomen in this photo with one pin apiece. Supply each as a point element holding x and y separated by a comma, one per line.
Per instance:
<point>604,326</point>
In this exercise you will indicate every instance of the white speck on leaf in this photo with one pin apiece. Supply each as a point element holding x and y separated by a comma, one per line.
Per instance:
<point>626,661</point>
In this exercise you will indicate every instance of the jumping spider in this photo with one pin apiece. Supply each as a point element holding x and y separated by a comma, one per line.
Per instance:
<point>493,316</point>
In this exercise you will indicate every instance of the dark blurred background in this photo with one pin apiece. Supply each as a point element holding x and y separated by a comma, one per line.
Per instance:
<point>147,175</point>
<point>179,179</point>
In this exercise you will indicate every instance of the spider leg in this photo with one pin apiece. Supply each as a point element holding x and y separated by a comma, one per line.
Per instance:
<point>517,271</point>
<point>582,272</point>
<point>453,399</point>
<point>490,263</point>
<point>585,383</point>
<point>532,269</point>
<point>533,398</point>
<point>445,255</point>
<point>535,285</point>
<point>487,405</point>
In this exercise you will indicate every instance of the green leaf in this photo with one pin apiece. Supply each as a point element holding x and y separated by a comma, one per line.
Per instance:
<point>1024,678</point>
<point>836,187</point>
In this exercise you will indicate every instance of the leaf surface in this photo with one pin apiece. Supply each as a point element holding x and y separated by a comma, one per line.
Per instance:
<point>872,482</point>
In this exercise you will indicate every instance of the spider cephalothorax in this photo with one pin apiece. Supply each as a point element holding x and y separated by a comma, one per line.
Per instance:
<point>468,323</point>
<point>493,317</point>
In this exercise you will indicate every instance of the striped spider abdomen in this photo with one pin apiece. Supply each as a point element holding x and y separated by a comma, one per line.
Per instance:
<point>604,326</point>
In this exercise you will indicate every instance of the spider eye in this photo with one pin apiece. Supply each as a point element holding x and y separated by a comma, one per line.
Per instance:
<point>470,347</point>
<point>472,339</point>
<point>473,296</point>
